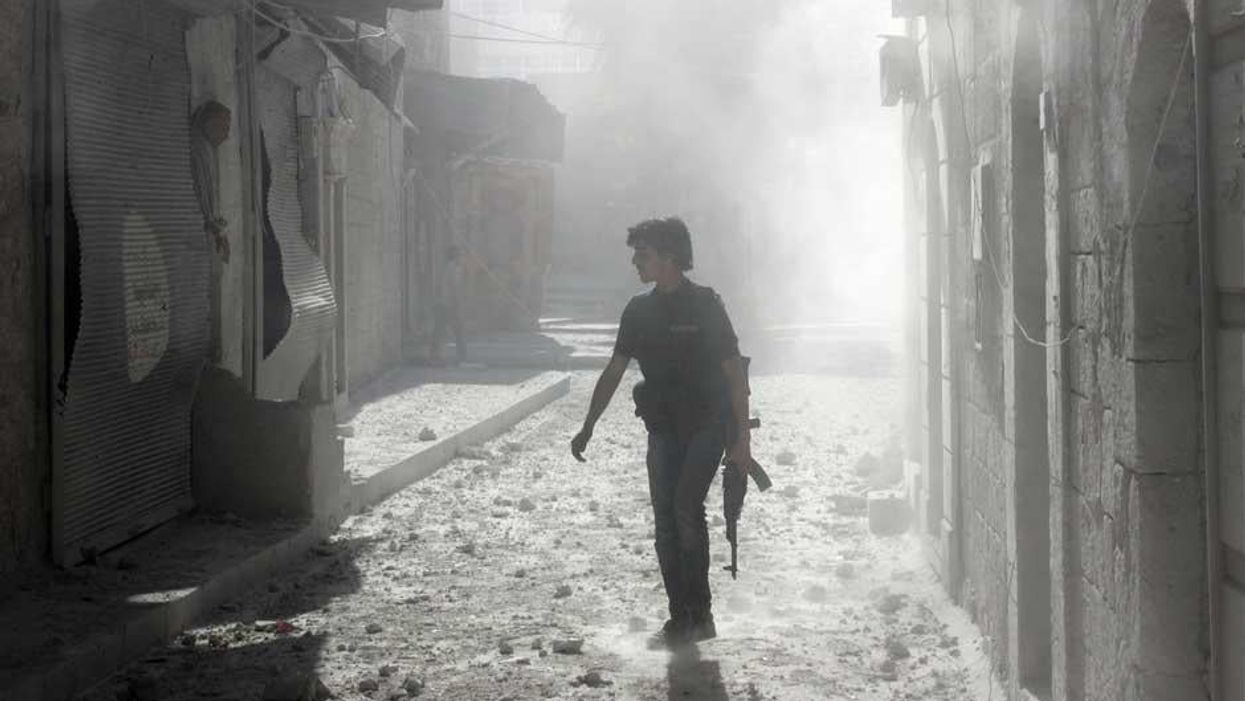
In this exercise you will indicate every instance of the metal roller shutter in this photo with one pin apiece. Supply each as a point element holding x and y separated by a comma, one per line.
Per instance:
<point>314,308</point>
<point>143,330</point>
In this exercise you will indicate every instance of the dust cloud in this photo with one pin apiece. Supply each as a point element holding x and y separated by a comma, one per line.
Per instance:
<point>760,124</point>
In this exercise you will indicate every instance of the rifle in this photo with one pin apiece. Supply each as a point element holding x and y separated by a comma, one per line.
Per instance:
<point>735,488</point>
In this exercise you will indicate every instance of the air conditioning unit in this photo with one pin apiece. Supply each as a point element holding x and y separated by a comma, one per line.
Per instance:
<point>900,70</point>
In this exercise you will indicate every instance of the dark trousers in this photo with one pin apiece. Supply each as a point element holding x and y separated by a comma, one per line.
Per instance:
<point>680,472</point>
<point>444,315</point>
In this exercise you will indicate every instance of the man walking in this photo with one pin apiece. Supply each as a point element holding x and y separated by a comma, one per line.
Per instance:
<point>693,396</point>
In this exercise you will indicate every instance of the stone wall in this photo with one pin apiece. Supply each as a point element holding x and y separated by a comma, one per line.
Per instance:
<point>375,271</point>
<point>1116,352</point>
<point>23,497</point>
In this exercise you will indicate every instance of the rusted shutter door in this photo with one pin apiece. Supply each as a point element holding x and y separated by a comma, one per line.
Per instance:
<point>313,305</point>
<point>142,333</point>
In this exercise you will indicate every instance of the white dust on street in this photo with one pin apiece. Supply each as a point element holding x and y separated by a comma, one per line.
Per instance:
<point>464,585</point>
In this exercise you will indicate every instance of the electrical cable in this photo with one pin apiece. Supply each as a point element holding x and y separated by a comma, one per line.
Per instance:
<point>499,25</point>
<point>985,247</point>
<point>505,40</point>
<point>1145,188</point>
<point>322,37</point>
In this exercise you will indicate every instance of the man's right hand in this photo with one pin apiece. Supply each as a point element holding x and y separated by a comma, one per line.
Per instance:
<point>580,443</point>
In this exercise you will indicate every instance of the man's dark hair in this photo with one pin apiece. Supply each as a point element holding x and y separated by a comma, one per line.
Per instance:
<point>668,236</point>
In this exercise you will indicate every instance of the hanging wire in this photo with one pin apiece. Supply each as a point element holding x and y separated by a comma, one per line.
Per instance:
<point>505,40</point>
<point>1145,188</point>
<point>314,35</point>
<point>517,30</point>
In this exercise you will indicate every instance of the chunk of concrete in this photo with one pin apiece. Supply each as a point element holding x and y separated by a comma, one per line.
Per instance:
<point>888,513</point>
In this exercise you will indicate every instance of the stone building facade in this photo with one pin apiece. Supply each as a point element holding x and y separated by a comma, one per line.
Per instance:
<point>1075,247</point>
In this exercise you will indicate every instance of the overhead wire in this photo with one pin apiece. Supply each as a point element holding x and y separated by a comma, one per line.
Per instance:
<point>315,35</point>
<point>506,40</point>
<point>509,28</point>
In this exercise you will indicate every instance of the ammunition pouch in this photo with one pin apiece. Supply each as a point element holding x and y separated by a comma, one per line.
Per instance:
<point>649,406</point>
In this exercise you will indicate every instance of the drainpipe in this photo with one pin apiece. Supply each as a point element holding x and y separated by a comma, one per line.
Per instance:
<point>1210,324</point>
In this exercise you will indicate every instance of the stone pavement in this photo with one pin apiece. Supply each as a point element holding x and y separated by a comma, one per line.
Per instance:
<point>62,630</point>
<point>516,573</point>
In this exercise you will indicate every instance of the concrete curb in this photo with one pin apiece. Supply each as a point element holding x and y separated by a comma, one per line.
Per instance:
<point>92,660</point>
<point>432,458</point>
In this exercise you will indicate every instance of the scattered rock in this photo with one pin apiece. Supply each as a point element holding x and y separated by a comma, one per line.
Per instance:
<point>563,591</point>
<point>188,639</point>
<point>891,603</point>
<point>568,646</point>
<point>867,465</point>
<point>538,644</point>
<point>919,629</point>
<point>786,457</point>
<point>887,668</point>
<point>505,648</point>
<point>593,506</point>
<point>790,491</point>
<point>592,680</point>
<point>845,570</point>
<point>816,594</point>
<point>526,504</point>
<point>502,501</point>
<point>614,522</point>
<point>413,685</point>
<point>468,548</point>
<point>366,685</point>
<point>636,624</point>
<point>373,628</point>
<point>718,520</point>
<point>427,434</point>
<point>888,513</point>
<point>387,670</point>
<point>849,504</point>
<point>520,573</point>
<point>896,650</point>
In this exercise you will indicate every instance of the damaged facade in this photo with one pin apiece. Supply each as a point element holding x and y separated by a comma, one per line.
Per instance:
<point>211,238</point>
<point>176,244</point>
<point>1075,340</point>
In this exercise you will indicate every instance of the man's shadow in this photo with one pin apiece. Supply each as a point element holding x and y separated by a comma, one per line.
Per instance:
<point>691,678</point>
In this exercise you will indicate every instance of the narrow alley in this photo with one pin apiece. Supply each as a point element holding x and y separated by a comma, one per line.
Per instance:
<point>477,582</point>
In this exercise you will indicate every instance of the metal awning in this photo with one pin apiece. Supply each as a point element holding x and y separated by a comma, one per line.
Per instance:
<point>374,12</point>
<point>485,117</point>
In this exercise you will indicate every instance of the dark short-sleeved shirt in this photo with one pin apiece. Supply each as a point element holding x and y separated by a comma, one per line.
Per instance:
<point>680,339</point>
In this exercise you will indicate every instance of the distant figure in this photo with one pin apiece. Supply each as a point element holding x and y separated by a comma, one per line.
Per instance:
<point>209,129</point>
<point>694,395</point>
<point>447,310</point>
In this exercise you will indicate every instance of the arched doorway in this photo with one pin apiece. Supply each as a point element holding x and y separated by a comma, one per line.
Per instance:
<point>1030,527</point>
